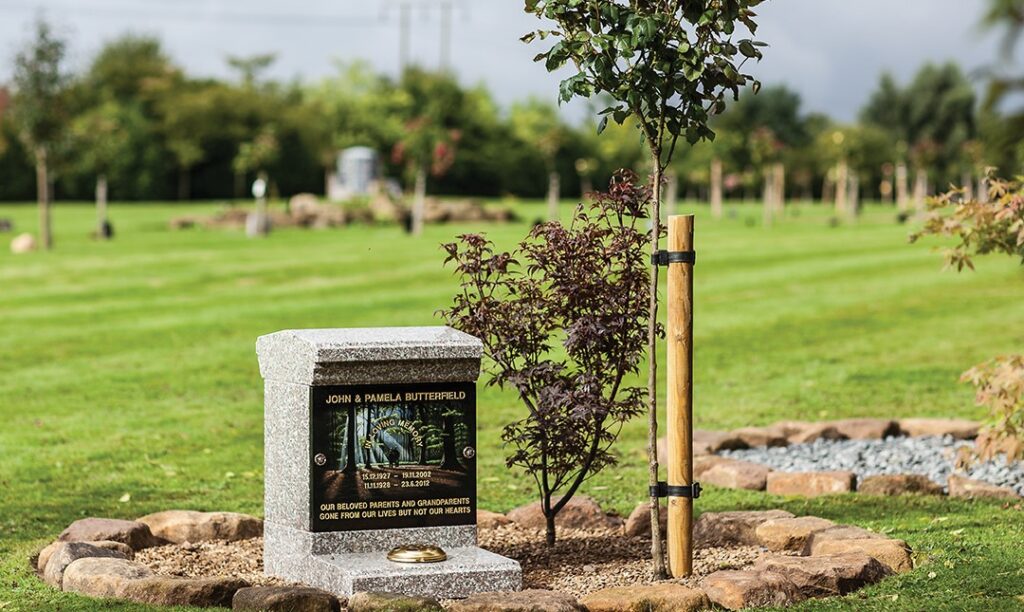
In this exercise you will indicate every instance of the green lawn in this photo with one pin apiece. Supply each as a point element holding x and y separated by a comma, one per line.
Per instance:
<point>128,369</point>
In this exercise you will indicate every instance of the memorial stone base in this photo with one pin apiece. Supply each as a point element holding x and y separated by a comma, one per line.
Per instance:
<point>312,377</point>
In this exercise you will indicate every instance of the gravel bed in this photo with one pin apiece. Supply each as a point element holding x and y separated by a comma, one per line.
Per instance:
<point>584,561</point>
<point>214,559</point>
<point>581,562</point>
<point>930,456</point>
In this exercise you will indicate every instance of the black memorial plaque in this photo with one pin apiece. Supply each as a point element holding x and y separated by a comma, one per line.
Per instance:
<point>392,456</point>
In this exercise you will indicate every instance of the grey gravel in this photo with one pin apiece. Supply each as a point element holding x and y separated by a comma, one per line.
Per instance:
<point>930,456</point>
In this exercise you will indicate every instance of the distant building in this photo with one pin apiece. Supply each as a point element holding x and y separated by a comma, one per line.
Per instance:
<point>357,173</point>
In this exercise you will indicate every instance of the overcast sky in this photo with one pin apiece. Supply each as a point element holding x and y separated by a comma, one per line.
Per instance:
<point>831,51</point>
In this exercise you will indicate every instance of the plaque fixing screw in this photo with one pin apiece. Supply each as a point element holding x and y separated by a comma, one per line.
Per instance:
<point>469,452</point>
<point>320,459</point>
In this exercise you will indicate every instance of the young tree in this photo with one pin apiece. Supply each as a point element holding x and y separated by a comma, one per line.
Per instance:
<point>668,65</point>
<point>102,138</point>
<point>580,288</point>
<point>40,82</point>
<point>537,124</point>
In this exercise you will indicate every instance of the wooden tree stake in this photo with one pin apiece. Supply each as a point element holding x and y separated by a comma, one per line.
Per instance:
<point>680,397</point>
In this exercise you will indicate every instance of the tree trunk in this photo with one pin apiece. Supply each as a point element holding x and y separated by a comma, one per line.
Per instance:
<point>657,551</point>
<point>101,207</point>
<point>671,194</point>
<point>549,522</point>
<point>920,188</point>
<point>554,194</point>
<point>419,202</point>
<point>43,198</point>
<point>586,187</point>
<point>716,188</point>
<point>902,190</point>
<point>842,188</point>
<point>983,190</point>
<point>779,174</point>
<point>854,196</point>
<point>768,197</point>
<point>967,183</point>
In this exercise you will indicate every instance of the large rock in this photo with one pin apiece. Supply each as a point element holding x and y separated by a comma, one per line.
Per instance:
<point>789,533</point>
<point>133,533</point>
<point>772,435</point>
<point>960,429</point>
<point>661,597</point>
<point>69,552</point>
<point>102,576</point>
<point>866,429</point>
<point>826,576</point>
<point>44,555</point>
<point>489,520</point>
<point>735,528</point>
<point>198,592</point>
<point>530,600</point>
<point>839,532</point>
<point>581,512</point>
<point>961,486</point>
<point>638,524</point>
<point>736,589</point>
<point>392,602</point>
<point>737,475</point>
<point>23,243</point>
<point>894,554</point>
<point>179,526</point>
<point>284,599</point>
<point>898,484</point>
<point>810,484</point>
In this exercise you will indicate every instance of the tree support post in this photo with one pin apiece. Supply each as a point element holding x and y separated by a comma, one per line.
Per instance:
<point>680,395</point>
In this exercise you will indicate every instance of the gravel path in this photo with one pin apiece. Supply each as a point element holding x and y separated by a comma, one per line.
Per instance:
<point>928,456</point>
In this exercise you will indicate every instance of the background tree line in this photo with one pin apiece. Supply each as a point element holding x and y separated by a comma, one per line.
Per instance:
<point>135,121</point>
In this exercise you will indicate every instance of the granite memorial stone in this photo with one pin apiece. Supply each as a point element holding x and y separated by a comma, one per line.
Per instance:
<point>370,445</point>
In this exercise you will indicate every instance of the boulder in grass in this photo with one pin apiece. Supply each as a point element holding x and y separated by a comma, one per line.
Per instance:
<point>179,526</point>
<point>811,484</point>
<point>581,512</point>
<point>734,528</point>
<point>898,484</point>
<point>737,589</point>
<point>638,524</point>
<point>661,597</point>
<point>866,429</point>
<point>705,442</point>
<point>133,533</point>
<point>23,243</point>
<point>894,554</point>
<point>959,429</point>
<point>67,553</point>
<point>960,486</point>
<point>45,553</point>
<point>827,576</point>
<point>789,533</point>
<point>284,599</point>
<point>102,577</point>
<point>167,591</point>
<point>490,520</point>
<point>530,600</point>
